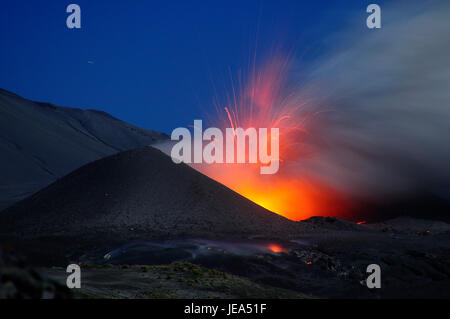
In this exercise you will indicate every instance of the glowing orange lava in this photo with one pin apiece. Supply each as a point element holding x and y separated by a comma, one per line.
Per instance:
<point>293,197</point>
<point>268,101</point>
<point>276,248</point>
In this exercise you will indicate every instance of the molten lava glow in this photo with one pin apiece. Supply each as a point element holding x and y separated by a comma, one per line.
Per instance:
<point>276,248</point>
<point>294,197</point>
<point>267,101</point>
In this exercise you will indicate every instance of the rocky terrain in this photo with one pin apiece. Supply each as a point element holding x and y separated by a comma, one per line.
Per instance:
<point>139,208</point>
<point>20,281</point>
<point>328,259</point>
<point>178,280</point>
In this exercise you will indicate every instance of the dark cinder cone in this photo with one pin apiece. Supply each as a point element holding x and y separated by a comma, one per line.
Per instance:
<point>141,194</point>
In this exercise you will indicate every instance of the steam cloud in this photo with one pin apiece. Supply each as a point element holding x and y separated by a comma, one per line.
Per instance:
<point>389,89</point>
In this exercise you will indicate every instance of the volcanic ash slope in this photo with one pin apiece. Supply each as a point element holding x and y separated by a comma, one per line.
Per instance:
<point>41,142</point>
<point>141,194</point>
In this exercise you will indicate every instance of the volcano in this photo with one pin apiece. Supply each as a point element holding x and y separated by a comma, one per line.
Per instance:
<point>41,142</point>
<point>140,194</point>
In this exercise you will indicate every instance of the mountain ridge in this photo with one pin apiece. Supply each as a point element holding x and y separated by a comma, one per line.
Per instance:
<point>41,142</point>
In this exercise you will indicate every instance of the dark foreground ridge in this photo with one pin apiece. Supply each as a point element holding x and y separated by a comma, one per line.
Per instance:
<point>178,280</point>
<point>19,281</point>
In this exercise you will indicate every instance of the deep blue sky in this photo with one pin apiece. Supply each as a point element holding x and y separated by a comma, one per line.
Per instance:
<point>155,64</point>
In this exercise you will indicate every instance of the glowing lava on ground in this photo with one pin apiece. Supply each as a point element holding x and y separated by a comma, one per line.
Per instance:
<point>276,248</point>
<point>268,101</point>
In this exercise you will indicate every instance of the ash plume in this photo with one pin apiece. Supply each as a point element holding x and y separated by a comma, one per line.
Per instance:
<point>389,91</point>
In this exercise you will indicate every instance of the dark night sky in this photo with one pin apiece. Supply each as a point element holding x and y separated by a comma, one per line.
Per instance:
<point>153,64</point>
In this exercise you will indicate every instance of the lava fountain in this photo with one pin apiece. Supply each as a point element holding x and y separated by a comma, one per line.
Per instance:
<point>267,100</point>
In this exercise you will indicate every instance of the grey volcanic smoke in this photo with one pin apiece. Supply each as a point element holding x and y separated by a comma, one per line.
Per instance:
<point>389,90</point>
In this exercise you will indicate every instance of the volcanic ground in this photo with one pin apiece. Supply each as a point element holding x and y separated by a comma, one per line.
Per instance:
<point>142,226</point>
<point>139,208</point>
